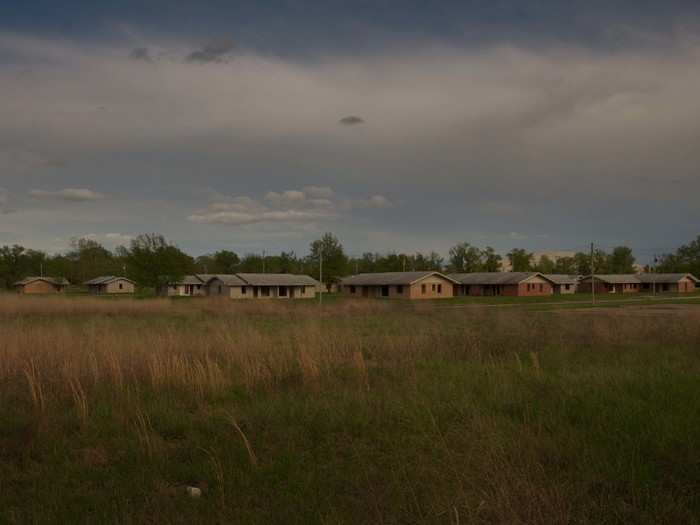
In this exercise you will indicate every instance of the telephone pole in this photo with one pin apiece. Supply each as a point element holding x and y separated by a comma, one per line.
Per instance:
<point>592,274</point>
<point>320,276</point>
<point>263,261</point>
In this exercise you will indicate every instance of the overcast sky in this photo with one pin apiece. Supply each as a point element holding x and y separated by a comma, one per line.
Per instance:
<point>407,125</point>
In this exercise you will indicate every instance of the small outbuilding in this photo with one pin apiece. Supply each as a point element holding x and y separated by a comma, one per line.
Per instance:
<point>41,285</point>
<point>262,286</point>
<point>399,285</point>
<point>610,283</point>
<point>110,284</point>
<point>512,284</point>
<point>668,282</point>
<point>563,284</point>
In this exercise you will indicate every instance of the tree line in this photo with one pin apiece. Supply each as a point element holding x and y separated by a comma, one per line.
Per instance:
<point>151,260</point>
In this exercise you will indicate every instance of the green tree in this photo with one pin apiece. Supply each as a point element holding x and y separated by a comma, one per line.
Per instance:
<point>335,262</point>
<point>491,261</point>
<point>685,260</point>
<point>545,265</point>
<point>520,260</point>
<point>582,263</point>
<point>88,259</point>
<point>464,258</point>
<point>621,260</point>
<point>151,260</point>
<point>566,265</point>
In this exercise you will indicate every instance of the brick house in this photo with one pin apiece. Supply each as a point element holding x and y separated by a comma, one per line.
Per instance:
<point>514,284</point>
<point>262,286</point>
<point>399,285</point>
<point>668,282</point>
<point>41,285</point>
<point>563,283</point>
<point>610,283</point>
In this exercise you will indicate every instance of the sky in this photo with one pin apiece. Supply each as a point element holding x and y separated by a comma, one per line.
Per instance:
<point>398,126</point>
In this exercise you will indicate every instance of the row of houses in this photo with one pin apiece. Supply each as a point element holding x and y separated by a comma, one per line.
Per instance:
<point>398,285</point>
<point>432,285</point>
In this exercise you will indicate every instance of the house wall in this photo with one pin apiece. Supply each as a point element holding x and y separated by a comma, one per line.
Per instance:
<point>561,289</point>
<point>685,285</point>
<point>602,288</point>
<point>236,292</point>
<point>127,287</point>
<point>414,291</point>
<point>538,286</point>
<point>39,287</point>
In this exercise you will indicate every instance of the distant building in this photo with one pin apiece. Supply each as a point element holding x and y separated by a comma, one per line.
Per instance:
<point>562,283</point>
<point>610,283</point>
<point>109,284</point>
<point>399,285</point>
<point>41,285</point>
<point>502,283</point>
<point>262,286</point>
<point>668,282</point>
<point>188,286</point>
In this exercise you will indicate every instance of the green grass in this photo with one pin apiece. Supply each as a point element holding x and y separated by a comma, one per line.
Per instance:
<point>500,417</point>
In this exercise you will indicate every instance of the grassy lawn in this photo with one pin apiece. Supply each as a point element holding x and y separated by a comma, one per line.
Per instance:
<point>365,412</point>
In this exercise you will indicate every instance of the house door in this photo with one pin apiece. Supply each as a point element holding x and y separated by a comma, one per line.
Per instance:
<point>385,291</point>
<point>255,292</point>
<point>365,291</point>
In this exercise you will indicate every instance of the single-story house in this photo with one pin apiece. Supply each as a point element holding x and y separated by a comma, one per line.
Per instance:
<point>610,283</point>
<point>110,284</point>
<point>563,283</point>
<point>262,286</point>
<point>399,285</point>
<point>41,285</point>
<point>503,283</point>
<point>668,282</point>
<point>189,285</point>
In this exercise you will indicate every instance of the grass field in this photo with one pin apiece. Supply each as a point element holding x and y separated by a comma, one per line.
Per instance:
<point>360,412</point>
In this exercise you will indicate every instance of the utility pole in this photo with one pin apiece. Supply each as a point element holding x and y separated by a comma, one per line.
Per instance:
<point>653,278</point>
<point>592,274</point>
<point>320,276</point>
<point>263,261</point>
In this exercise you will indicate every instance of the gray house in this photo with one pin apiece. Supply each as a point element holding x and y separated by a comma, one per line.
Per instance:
<point>262,286</point>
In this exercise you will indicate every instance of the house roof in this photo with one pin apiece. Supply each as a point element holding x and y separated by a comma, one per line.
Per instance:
<point>616,278</point>
<point>562,278</point>
<point>491,278</point>
<point>227,279</point>
<point>58,281</point>
<point>389,278</point>
<point>277,279</point>
<point>666,277</point>
<point>106,279</point>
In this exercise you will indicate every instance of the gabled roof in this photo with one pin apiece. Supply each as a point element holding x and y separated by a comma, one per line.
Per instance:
<point>495,278</point>
<point>199,278</point>
<point>59,281</point>
<point>227,279</point>
<point>106,279</point>
<point>562,278</point>
<point>277,279</point>
<point>666,277</point>
<point>390,278</point>
<point>625,278</point>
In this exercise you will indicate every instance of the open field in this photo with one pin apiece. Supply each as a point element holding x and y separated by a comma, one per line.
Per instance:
<point>362,412</point>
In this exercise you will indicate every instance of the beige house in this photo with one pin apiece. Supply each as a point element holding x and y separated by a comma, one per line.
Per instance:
<point>610,283</point>
<point>668,282</point>
<point>399,285</point>
<point>41,285</point>
<point>262,286</point>
<point>188,286</point>
<point>502,283</point>
<point>109,284</point>
<point>563,283</point>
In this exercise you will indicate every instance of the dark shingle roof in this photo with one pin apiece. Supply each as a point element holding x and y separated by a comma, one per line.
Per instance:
<point>666,277</point>
<point>502,278</point>
<point>227,279</point>
<point>562,278</point>
<point>389,278</point>
<point>277,279</point>
<point>106,279</point>
<point>58,281</point>
<point>616,278</point>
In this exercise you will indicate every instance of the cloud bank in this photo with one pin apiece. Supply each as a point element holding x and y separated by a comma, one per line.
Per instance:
<point>68,194</point>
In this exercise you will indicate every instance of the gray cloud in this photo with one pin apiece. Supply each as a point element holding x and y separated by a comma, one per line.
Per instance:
<point>141,53</point>
<point>213,52</point>
<point>68,194</point>
<point>5,202</point>
<point>351,120</point>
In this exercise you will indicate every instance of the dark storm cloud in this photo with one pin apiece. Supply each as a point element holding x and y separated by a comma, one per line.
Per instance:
<point>351,120</point>
<point>213,52</point>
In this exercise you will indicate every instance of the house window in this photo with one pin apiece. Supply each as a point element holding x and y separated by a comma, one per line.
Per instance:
<point>422,289</point>
<point>352,289</point>
<point>264,291</point>
<point>433,287</point>
<point>282,291</point>
<point>243,290</point>
<point>567,286</point>
<point>541,287</point>
<point>399,288</point>
<point>439,288</point>
<point>303,290</point>
<point>121,286</point>
<point>220,289</point>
